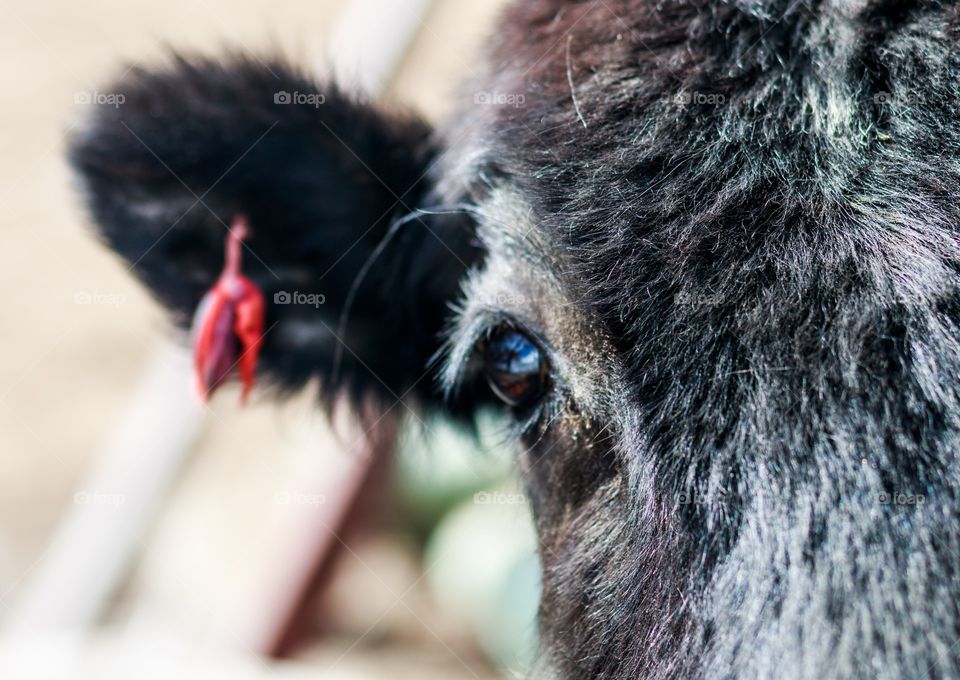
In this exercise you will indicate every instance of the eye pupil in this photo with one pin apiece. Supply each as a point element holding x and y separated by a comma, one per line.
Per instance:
<point>515,367</point>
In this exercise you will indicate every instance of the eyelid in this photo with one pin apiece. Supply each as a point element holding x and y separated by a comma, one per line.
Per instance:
<point>461,347</point>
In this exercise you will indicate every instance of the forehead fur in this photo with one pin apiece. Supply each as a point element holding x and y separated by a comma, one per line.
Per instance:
<point>729,155</point>
<point>757,207</point>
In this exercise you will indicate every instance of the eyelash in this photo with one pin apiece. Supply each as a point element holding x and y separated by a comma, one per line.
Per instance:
<point>534,418</point>
<point>464,375</point>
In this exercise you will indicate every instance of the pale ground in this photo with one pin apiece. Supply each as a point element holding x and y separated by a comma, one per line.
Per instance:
<point>67,369</point>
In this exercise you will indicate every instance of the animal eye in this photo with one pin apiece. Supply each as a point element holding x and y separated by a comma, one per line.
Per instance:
<point>515,368</point>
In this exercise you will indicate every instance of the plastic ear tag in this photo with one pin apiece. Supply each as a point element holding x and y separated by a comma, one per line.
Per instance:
<point>227,327</point>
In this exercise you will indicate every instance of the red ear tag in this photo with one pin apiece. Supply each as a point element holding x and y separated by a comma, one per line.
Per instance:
<point>228,324</point>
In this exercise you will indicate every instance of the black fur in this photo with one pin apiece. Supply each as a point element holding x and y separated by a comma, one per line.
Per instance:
<point>734,228</point>
<point>777,266</point>
<point>200,141</point>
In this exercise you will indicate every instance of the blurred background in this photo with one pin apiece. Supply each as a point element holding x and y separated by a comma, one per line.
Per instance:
<point>145,535</point>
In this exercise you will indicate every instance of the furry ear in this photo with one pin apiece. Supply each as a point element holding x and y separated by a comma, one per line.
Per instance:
<point>357,278</point>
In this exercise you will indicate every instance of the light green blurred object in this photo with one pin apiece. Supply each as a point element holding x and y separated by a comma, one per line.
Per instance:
<point>439,465</point>
<point>483,569</point>
<point>481,552</point>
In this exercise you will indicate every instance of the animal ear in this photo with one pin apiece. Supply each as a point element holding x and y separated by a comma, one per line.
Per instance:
<point>357,277</point>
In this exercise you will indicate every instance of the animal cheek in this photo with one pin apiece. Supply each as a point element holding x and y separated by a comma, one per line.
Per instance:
<point>563,470</point>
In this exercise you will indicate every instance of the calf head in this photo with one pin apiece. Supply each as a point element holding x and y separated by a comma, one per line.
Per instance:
<point>704,255</point>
